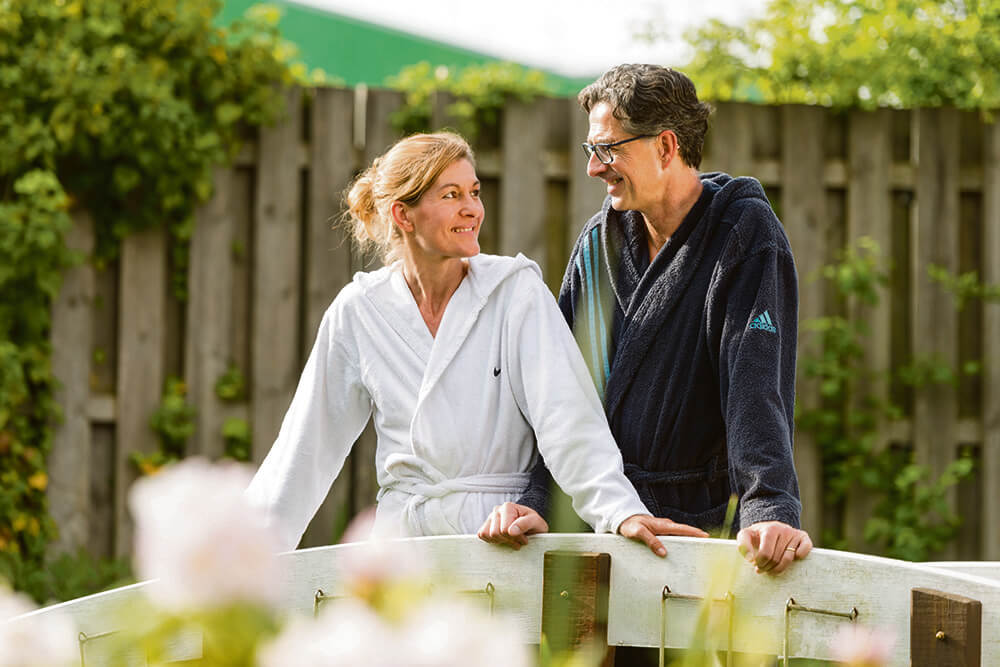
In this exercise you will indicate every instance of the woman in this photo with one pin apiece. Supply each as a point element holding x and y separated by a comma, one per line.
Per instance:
<point>462,358</point>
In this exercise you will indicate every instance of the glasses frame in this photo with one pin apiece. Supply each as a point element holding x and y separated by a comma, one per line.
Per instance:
<point>597,149</point>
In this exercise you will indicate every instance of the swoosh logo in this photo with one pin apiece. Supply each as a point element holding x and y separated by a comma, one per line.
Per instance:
<point>496,372</point>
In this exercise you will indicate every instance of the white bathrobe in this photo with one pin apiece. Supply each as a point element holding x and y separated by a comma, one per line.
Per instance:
<point>458,415</point>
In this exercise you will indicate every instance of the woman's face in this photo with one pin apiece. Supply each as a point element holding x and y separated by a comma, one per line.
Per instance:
<point>446,220</point>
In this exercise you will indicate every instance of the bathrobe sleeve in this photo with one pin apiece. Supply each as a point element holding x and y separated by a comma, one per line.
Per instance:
<point>752,323</point>
<point>554,391</point>
<point>330,408</point>
<point>538,494</point>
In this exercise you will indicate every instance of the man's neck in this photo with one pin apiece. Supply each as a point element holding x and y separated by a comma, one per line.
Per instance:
<point>664,219</point>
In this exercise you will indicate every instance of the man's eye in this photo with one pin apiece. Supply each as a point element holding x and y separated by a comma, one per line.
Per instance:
<point>475,193</point>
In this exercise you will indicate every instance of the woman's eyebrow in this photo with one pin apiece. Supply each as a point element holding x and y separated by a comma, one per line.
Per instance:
<point>455,185</point>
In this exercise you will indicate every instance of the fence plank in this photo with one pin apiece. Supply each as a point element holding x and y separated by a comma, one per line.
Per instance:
<point>869,215</point>
<point>991,347</point>
<point>586,194</point>
<point>380,134</point>
<point>575,589</point>
<point>143,293</point>
<point>522,185</point>
<point>207,338</point>
<point>935,322</point>
<point>803,202</point>
<point>327,253</point>
<point>730,143</point>
<point>277,241</point>
<point>72,335</point>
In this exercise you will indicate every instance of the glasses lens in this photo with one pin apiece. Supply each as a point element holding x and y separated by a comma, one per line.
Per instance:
<point>604,154</point>
<point>588,149</point>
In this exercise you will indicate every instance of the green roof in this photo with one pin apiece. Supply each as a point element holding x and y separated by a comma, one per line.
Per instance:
<point>358,51</point>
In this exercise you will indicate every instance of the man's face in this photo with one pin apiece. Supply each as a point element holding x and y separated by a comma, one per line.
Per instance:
<point>631,177</point>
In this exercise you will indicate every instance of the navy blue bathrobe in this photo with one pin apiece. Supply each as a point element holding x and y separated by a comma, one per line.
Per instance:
<point>693,354</point>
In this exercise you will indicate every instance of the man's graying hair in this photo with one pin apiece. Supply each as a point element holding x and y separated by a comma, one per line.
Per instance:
<point>649,99</point>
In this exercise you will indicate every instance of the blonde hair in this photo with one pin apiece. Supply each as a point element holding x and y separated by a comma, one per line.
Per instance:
<point>403,173</point>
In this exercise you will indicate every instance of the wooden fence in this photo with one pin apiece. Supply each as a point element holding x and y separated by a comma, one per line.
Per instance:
<point>265,263</point>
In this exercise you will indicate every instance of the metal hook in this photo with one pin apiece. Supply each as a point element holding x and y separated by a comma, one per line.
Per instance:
<point>729,601</point>
<point>791,605</point>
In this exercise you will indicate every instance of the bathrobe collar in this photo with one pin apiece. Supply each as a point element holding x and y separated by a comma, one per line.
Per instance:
<point>648,295</point>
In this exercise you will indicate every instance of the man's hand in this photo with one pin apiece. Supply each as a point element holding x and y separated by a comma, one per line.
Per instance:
<point>511,524</point>
<point>771,546</point>
<point>645,528</point>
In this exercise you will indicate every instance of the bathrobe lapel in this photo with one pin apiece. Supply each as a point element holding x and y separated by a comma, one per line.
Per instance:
<point>657,294</point>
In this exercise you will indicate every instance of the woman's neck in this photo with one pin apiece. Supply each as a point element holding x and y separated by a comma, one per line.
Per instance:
<point>432,284</point>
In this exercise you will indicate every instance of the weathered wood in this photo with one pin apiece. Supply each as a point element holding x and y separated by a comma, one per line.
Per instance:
<point>586,194</point>
<point>730,141</point>
<point>277,243</point>
<point>72,335</point>
<point>945,630</point>
<point>380,135</point>
<point>207,338</point>
<point>935,324</point>
<point>575,602</point>
<point>991,347</point>
<point>522,188</point>
<point>101,522</point>
<point>441,116</point>
<point>327,253</point>
<point>869,216</point>
<point>143,290</point>
<point>803,211</point>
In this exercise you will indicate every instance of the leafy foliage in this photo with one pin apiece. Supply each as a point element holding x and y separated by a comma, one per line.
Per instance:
<point>865,53</point>
<point>912,518</point>
<point>66,577</point>
<point>120,107</point>
<point>480,92</point>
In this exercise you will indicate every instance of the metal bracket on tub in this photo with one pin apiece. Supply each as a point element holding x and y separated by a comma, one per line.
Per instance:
<point>791,605</point>
<point>83,638</point>
<point>729,600</point>
<point>489,591</point>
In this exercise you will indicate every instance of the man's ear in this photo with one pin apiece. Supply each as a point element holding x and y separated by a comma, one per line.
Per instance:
<point>666,142</point>
<point>401,216</point>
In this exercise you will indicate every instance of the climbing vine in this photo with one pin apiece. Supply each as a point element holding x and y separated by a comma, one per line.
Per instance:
<point>912,518</point>
<point>120,108</point>
<point>479,91</point>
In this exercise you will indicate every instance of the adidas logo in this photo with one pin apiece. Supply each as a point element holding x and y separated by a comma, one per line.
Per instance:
<point>763,322</point>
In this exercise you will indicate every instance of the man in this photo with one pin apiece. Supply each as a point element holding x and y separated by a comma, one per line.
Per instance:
<point>683,294</point>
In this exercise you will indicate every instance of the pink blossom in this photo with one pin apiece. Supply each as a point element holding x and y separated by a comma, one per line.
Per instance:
<point>45,640</point>
<point>857,646</point>
<point>198,537</point>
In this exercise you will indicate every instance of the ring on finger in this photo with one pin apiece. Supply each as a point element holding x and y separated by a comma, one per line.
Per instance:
<point>791,549</point>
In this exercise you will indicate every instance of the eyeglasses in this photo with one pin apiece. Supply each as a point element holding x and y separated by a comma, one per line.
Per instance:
<point>604,152</point>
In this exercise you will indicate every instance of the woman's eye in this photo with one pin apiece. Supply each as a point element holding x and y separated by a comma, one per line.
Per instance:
<point>475,193</point>
<point>449,195</point>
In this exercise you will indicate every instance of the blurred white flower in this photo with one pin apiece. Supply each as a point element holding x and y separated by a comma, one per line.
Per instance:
<point>196,534</point>
<point>347,633</point>
<point>46,640</point>
<point>857,646</point>
<point>449,632</point>
<point>377,561</point>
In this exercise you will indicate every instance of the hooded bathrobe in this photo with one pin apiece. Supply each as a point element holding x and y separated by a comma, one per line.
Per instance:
<point>693,354</point>
<point>458,415</point>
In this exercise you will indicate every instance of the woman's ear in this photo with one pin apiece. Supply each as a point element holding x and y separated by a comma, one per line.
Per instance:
<point>401,216</point>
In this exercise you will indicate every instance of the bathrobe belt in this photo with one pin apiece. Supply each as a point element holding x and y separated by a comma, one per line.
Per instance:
<point>707,473</point>
<point>422,481</point>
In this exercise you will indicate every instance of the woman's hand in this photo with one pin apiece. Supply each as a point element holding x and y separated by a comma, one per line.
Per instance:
<point>645,528</point>
<point>511,524</point>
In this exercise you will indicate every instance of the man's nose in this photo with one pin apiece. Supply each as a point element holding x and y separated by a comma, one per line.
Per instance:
<point>595,167</point>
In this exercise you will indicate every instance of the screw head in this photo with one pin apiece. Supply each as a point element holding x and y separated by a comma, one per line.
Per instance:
<point>940,635</point>
<point>564,594</point>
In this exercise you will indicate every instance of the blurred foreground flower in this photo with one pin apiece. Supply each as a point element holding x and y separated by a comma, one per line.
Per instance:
<point>857,646</point>
<point>198,537</point>
<point>48,641</point>
<point>436,633</point>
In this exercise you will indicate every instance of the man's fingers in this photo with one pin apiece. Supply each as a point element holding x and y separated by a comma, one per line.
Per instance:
<point>769,551</point>
<point>746,541</point>
<point>787,557</point>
